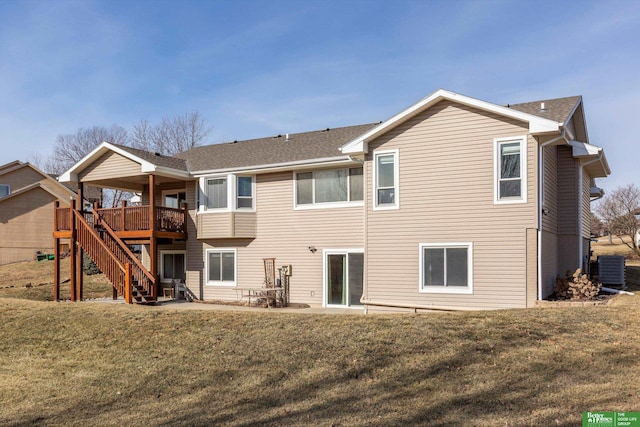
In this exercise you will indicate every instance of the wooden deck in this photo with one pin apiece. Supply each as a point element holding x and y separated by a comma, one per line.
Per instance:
<point>129,222</point>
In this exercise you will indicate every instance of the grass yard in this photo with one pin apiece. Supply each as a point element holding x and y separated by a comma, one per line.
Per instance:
<point>34,281</point>
<point>113,364</point>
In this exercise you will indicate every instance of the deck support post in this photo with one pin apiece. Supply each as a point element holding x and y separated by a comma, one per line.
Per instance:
<point>80,253</point>
<point>56,254</point>
<point>153,242</point>
<point>73,253</point>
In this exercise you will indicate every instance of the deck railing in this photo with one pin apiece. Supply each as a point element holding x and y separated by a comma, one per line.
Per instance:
<point>129,218</point>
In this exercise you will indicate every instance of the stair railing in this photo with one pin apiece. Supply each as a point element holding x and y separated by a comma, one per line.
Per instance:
<point>139,273</point>
<point>118,273</point>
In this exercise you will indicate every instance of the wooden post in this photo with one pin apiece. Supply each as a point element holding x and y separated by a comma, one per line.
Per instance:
<point>79,264</point>
<point>153,243</point>
<point>123,205</point>
<point>56,254</point>
<point>128,297</point>
<point>72,252</point>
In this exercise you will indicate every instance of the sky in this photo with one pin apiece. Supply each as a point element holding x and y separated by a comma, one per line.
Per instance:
<point>259,68</point>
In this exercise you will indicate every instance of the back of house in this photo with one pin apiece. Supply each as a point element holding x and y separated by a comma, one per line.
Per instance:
<point>453,203</point>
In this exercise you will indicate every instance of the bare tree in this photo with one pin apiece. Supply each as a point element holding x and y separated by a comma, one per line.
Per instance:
<point>172,135</point>
<point>71,148</point>
<point>618,211</point>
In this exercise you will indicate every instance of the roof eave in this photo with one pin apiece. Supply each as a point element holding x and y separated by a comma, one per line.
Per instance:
<point>278,167</point>
<point>71,175</point>
<point>537,125</point>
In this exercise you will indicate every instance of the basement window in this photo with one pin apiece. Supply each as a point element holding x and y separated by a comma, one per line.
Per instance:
<point>446,268</point>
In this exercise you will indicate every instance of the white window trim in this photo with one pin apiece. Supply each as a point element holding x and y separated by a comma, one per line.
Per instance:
<point>325,295</point>
<point>253,193</point>
<point>227,283</point>
<point>326,205</point>
<point>396,180</point>
<point>446,289</point>
<point>522,139</point>
<point>165,192</point>
<point>161,263</point>
<point>231,194</point>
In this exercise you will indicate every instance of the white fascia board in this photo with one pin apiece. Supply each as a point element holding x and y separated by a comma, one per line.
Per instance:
<point>145,166</point>
<point>279,167</point>
<point>536,124</point>
<point>591,156</point>
<point>582,149</point>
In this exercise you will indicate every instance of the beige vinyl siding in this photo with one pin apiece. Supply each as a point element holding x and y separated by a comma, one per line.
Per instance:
<point>550,197</point>
<point>215,225</point>
<point>586,204</point>
<point>549,235</point>
<point>446,165</point>
<point>110,165</point>
<point>282,233</point>
<point>568,213</point>
<point>244,224</point>
<point>549,262</point>
<point>26,226</point>
<point>532,266</point>
<point>223,225</point>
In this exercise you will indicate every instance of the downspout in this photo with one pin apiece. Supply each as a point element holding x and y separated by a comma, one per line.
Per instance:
<point>365,228</point>
<point>540,197</point>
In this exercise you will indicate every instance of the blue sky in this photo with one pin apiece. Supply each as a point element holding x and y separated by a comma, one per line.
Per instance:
<point>256,68</point>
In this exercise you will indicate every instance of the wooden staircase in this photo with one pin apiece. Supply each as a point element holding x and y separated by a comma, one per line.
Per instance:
<point>114,258</point>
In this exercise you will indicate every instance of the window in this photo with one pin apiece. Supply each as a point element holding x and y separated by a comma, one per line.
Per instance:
<point>510,170</point>
<point>173,266</point>
<point>4,190</point>
<point>244,189</point>
<point>221,267</point>
<point>386,180</point>
<point>446,268</point>
<point>174,199</point>
<point>329,186</point>
<point>226,193</point>
<point>216,192</point>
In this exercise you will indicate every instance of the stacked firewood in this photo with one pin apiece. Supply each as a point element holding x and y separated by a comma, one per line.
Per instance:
<point>576,286</point>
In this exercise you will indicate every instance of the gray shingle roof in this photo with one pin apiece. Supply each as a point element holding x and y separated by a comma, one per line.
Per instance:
<point>156,159</point>
<point>557,109</point>
<point>272,150</point>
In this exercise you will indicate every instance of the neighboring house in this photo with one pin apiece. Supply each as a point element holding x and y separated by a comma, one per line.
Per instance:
<point>453,203</point>
<point>26,214</point>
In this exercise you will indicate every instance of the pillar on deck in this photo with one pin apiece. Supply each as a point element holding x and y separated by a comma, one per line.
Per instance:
<point>56,254</point>
<point>73,253</point>
<point>153,242</point>
<point>80,254</point>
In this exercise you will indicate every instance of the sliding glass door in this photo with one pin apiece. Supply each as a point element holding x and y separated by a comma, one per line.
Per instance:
<point>343,277</point>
